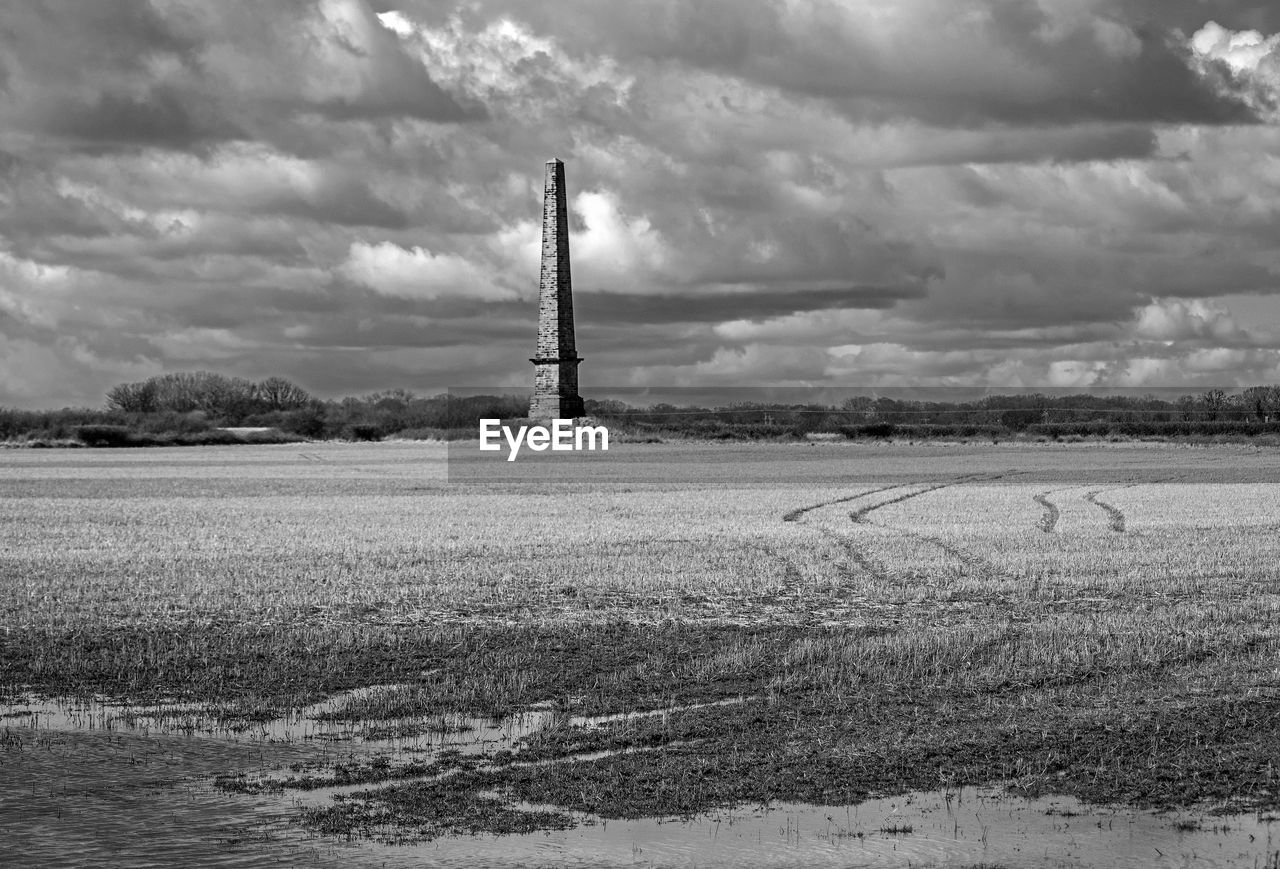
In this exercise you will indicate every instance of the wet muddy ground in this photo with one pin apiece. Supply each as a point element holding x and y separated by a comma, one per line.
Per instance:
<point>171,784</point>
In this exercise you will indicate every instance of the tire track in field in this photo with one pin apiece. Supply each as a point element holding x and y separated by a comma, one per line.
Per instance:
<point>851,551</point>
<point>1049,520</point>
<point>791,570</point>
<point>968,559</point>
<point>795,514</point>
<point>859,516</point>
<point>975,563</point>
<point>1115,517</point>
<point>859,557</point>
<point>855,555</point>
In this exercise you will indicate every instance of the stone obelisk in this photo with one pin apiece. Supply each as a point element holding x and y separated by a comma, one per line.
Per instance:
<point>555,379</point>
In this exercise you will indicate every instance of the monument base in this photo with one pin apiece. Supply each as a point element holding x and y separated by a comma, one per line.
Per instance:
<point>556,407</point>
<point>555,388</point>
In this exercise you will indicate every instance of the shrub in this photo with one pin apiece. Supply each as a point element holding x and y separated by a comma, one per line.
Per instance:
<point>437,434</point>
<point>170,422</point>
<point>869,430</point>
<point>362,431</point>
<point>104,435</point>
<point>211,438</point>
<point>308,421</point>
<point>271,436</point>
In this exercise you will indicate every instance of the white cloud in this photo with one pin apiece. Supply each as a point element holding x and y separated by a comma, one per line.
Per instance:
<point>617,252</point>
<point>1243,50</point>
<point>1177,320</point>
<point>499,62</point>
<point>416,273</point>
<point>395,21</point>
<point>1253,58</point>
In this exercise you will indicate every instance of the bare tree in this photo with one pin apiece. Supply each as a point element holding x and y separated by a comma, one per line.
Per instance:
<point>176,391</point>
<point>1214,400</point>
<point>1262,401</point>
<point>1187,407</point>
<point>280,394</point>
<point>229,398</point>
<point>133,397</point>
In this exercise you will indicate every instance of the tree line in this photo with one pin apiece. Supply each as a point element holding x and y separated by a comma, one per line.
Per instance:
<point>226,398</point>
<point>1250,411</point>
<point>198,407</point>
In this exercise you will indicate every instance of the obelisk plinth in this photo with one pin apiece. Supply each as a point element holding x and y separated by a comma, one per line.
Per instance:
<point>555,378</point>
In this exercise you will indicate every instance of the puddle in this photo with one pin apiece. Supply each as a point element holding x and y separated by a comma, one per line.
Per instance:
<point>82,778</point>
<point>969,826</point>
<point>311,725</point>
<point>314,725</point>
<point>77,798</point>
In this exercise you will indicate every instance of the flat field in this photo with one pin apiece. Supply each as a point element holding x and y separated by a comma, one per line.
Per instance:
<point>1092,619</point>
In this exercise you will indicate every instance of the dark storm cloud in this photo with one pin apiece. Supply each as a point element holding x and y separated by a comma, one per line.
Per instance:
<point>963,64</point>
<point>1189,15</point>
<point>161,117</point>
<point>760,303</point>
<point>34,210</point>
<point>117,73</point>
<point>611,309</point>
<point>1013,144</point>
<point>349,202</point>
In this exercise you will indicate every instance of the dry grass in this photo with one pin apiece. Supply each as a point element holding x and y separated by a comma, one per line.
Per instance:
<point>379,536</point>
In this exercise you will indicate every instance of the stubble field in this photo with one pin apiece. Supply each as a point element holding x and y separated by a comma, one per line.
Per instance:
<point>1092,619</point>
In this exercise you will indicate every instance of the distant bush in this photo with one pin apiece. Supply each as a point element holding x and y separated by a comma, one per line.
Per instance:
<point>44,444</point>
<point>104,435</point>
<point>362,432</point>
<point>212,438</point>
<point>307,421</point>
<point>122,436</point>
<point>715,429</point>
<point>171,422</point>
<point>877,430</point>
<point>1155,429</point>
<point>437,434</point>
<point>922,431</point>
<point>270,436</point>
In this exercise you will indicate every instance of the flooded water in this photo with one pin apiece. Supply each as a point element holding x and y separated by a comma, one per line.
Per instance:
<point>970,826</point>
<point>89,783</point>
<point>77,799</point>
<point>310,728</point>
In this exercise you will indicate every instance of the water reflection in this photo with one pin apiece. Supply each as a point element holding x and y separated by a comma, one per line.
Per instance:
<point>93,798</point>
<point>84,781</point>
<point>314,725</point>
<point>970,826</point>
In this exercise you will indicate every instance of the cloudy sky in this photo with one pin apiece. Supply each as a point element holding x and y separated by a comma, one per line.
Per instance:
<point>348,192</point>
